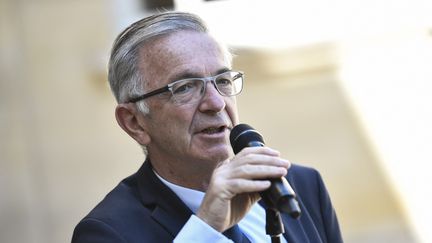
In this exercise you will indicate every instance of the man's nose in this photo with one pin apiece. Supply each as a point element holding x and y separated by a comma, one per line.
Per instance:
<point>212,100</point>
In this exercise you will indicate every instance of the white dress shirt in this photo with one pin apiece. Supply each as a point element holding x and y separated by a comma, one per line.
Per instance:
<point>252,225</point>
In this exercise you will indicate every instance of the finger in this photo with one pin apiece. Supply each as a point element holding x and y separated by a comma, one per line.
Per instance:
<point>258,172</point>
<point>260,150</point>
<point>255,159</point>
<point>227,188</point>
<point>239,186</point>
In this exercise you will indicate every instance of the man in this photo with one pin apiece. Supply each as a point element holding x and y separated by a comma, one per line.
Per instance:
<point>176,94</point>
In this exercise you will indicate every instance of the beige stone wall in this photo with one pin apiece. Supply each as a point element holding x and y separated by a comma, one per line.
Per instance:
<point>61,150</point>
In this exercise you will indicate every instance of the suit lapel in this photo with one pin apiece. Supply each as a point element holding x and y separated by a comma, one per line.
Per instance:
<point>302,229</point>
<point>294,232</point>
<point>167,209</point>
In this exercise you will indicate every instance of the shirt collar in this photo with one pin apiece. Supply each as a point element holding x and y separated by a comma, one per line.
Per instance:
<point>192,198</point>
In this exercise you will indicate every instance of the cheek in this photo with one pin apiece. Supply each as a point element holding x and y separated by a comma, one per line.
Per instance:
<point>177,119</point>
<point>231,108</point>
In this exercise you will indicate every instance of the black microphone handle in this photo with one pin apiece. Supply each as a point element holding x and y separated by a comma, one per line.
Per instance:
<point>280,195</point>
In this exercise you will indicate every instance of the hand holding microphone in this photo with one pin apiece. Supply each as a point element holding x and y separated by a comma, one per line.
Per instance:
<point>280,195</point>
<point>236,182</point>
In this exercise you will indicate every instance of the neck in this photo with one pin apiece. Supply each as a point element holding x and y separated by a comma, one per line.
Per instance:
<point>194,175</point>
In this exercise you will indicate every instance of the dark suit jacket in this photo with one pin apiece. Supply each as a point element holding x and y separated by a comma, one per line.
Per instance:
<point>142,209</point>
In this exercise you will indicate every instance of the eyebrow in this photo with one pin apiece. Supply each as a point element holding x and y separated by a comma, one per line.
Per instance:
<point>187,74</point>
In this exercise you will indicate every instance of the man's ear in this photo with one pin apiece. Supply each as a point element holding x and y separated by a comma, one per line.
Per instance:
<point>127,118</point>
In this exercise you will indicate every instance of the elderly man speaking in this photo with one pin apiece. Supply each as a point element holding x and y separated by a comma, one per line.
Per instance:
<point>176,94</point>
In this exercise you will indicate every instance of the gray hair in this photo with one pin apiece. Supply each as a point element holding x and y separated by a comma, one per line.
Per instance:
<point>124,75</point>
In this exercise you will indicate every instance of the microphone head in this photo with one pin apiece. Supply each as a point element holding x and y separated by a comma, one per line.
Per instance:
<point>243,135</point>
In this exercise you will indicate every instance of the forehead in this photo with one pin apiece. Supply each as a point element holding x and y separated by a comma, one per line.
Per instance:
<point>185,52</point>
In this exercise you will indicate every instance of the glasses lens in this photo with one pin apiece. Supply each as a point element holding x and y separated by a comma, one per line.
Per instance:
<point>187,90</point>
<point>229,83</point>
<point>191,90</point>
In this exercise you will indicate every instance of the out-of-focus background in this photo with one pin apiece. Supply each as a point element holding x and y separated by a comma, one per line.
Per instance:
<point>343,86</point>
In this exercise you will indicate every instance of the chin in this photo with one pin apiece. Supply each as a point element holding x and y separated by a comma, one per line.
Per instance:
<point>215,152</point>
<point>220,155</point>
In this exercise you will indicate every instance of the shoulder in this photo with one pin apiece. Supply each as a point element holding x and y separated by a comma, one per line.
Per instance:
<point>297,168</point>
<point>121,201</point>
<point>299,174</point>
<point>115,217</point>
<point>308,184</point>
<point>315,202</point>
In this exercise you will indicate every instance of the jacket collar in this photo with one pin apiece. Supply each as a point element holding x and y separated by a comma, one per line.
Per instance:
<point>167,209</point>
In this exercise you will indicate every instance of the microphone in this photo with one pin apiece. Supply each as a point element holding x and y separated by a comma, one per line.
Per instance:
<point>280,195</point>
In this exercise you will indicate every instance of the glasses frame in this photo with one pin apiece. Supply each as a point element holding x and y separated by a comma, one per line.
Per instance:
<point>169,86</point>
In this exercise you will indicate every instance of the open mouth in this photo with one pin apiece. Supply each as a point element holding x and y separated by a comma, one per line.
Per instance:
<point>213,130</point>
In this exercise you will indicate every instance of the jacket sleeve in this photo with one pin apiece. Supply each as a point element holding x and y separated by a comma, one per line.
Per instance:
<point>91,230</point>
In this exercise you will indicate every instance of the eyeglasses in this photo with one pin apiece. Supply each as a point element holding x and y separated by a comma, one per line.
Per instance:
<point>191,90</point>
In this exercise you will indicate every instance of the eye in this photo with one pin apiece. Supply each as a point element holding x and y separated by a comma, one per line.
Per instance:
<point>184,88</point>
<point>222,81</point>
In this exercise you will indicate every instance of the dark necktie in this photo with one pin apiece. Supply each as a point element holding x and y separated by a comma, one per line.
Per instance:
<point>234,233</point>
